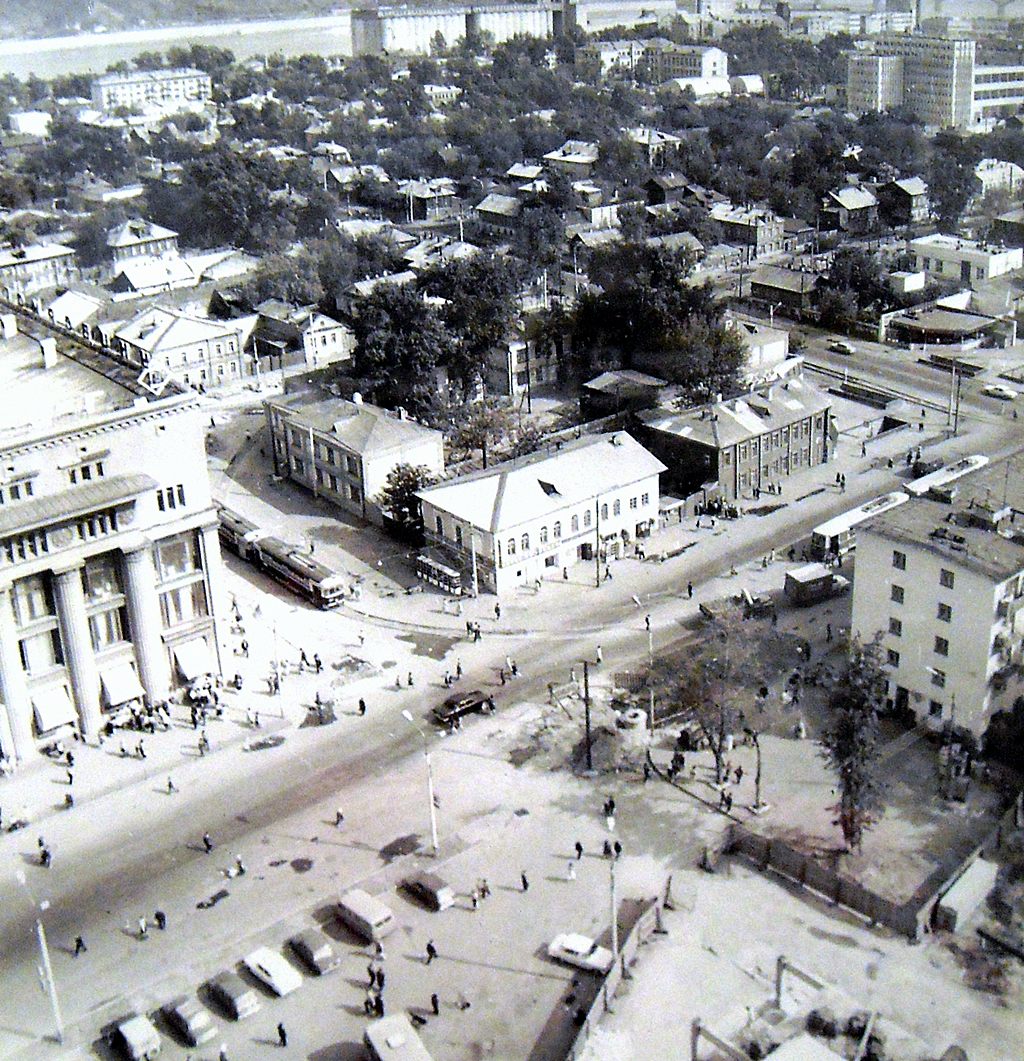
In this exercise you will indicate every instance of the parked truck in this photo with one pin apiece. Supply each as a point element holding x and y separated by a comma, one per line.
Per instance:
<point>812,583</point>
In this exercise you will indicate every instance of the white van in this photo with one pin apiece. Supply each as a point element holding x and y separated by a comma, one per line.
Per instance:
<point>394,1039</point>
<point>365,915</point>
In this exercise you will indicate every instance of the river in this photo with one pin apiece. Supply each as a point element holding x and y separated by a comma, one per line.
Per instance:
<point>48,57</point>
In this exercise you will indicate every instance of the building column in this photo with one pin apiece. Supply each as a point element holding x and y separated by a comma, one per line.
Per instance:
<point>145,623</point>
<point>78,655</point>
<point>16,710</point>
<point>213,573</point>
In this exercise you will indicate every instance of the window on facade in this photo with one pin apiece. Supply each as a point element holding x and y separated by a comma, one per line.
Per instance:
<point>616,507</point>
<point>458,535</point>
<point>645,499</point>
<point>632,502</point>
<point>586,518</point>
<point>946,579</point>
<point>184,604</point>
<point>556,530</point>
<point>101,579</point>
<point>353,465</point>
<point>899,560</point>
<point>41,652</point>
<point>574,524</point>
<point>107,628</point>
<point>604,511</point>
<point>895,628</point>
<point>944,613</point>
<point>941,646</point>
<point>896,594</point>
<point>525,542</point>
<point>543,536</point>
<point>893,657</point>
<point>934,708</point>
<point>439,525</point>
<point>939,678</point>
<point>510,548</point>
<point>177,556</point>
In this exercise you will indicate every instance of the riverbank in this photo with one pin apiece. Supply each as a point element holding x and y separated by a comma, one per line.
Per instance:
<point>84,53</point>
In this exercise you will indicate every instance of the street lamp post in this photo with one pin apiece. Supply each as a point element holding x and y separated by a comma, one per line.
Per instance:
<point>430,781</point>
<point>615,912</point>
<point>46,969</point>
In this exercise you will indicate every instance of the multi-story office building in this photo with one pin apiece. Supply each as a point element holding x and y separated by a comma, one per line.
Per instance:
<point>941,579</point>
<point>531,517</point>
<point>344,451</point>
<point>109,562</point>
<point>937,76</point>
<point>667,61</point>
<point>151,88</point>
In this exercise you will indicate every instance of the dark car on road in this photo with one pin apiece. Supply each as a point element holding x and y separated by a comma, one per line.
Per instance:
<point>430,890</point>
<point>189,1020</point>
<point>234,996</point>
<point>314,950</point>
<point>462,704</point>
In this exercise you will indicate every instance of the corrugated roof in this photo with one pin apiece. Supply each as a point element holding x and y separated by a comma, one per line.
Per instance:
<point>516,492</point>
<point>785,279</point>
<point>68,504</point>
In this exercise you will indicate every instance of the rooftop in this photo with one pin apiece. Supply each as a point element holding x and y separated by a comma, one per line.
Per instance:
<point>978,530</point>
<point>718,425</point>
<point>131,233</point>
<point>36,252</point>
<point>796,280</point>
<point>516,492</point>
<point>853,198</point>
<point>362,428</point>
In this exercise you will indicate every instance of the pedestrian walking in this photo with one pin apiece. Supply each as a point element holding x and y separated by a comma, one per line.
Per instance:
<point>203,744</point>
<point>828,631</point>
<point>447,679</point>
<point>318,663</point>
<point>579,850</point>
<point>362,638</point>
<point>570,871</point>
<point>565,574</point>
<point>371,974</point>
<point>474,897</point>
<point>607,573</point>
<point>380,979</point>
<point>71,777</point>
<point>282,1034</point>
<point>458,668</point>
<point>508,663</point>
<point>647,771</point>
<point>435,1004</point>
<point>245,648</point>
<point>223,1055</point>
<point>501,675</point>
<point>431,952</point>
<point>476,632</point>
<point>515,669</point>
<point>378,1005</point>
<point>70,759</point>
<point>378,951</point>
<point>161,920</point>
<point>739,774</point>
<point>303,660</point>
<point>408,679</point>
<point>524,881</point>
<point>369,1003</point>
<point>599,654</point>
<point>171,786</point>
<point>143,928</point>
<point>339,819</point>
<point>362,704</point>
<point>607,849</point>
<point>207,843</point>
<point>485,888</point>
<point>142,750</point>
<point>80,947</point>
<point>647,623</point>
<point>728,803</point>
<point>497,611</point>
<point>617,848</point>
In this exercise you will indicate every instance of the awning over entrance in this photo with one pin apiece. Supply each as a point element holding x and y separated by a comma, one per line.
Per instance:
<point>193,659</point>
<point>121,684</point>
<point>53,708</point>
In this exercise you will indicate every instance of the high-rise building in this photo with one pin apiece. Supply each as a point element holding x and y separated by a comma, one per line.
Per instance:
<point>159,88</point>
<point>874,82</point>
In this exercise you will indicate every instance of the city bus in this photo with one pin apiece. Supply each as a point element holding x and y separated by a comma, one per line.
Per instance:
<point>394,1039</point>
<point>949,474</point>
<point>835,537</point>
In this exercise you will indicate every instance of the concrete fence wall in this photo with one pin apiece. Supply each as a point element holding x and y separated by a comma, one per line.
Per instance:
<point>912,918</point>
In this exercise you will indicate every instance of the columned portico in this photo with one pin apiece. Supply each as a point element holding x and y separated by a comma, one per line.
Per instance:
<point>145,623</point>
<point>15,711</point>
<point>78,655</point>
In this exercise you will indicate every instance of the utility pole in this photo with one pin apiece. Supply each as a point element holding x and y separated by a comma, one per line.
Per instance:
<point>586,713</point>
<point>650,676</point>
<point>47,971</point>
<point>529,385</point>
<point>472,550</point>
<point>597,542</point>
<point>615,912</point>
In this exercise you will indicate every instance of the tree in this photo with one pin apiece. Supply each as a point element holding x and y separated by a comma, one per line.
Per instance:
<point>400,340</point>
<point>484,423</point>
<point>290,278</point>
<point>717,690</point>
<point>398,496</point>
<point>851,743</point>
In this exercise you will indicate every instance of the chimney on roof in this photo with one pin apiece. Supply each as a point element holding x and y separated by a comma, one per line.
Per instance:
<point>49,351</point>
<point>357,398</point>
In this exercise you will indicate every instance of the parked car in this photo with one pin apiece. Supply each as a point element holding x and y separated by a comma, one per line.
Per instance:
<point>189,1019</point>
<point>997,390</point>
<point>233,995</point>
<point>462,704</point>
<point>136,1039</point>
<point>581,951</point>
<point>274,970</point>
<point>841,347</point>
<point>430,890</point>
<point>314,950</point>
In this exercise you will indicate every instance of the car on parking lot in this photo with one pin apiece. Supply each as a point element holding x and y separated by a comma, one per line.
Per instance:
<point>998,390</point>
<point>189,1019</point>
<point>840,346</point>
<point>430,890</point>
<point>274,970</point>
<point>314,950</point>
<point>233,995</point>
<point>135,1039</point>
<point>462,704</point>
<point>580,951</point>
